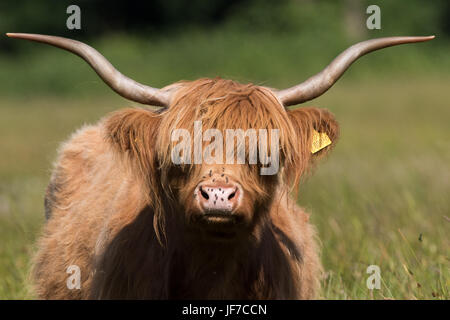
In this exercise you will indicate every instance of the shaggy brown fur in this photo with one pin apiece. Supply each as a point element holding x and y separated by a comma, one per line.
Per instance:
<point>119,209</point>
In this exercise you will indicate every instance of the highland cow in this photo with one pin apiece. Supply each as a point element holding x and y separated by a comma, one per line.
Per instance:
<point>139,226</point>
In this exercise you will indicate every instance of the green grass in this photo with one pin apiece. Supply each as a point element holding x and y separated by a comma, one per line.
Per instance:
<point>385,185</point>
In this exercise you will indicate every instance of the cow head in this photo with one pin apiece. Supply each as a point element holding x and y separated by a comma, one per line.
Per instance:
<point>222,131</point>
<point>220,191</point>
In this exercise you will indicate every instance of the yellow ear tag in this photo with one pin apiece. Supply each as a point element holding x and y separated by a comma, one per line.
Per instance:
<point>319,141</point>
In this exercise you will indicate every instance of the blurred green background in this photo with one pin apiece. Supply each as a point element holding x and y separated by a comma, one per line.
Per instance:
<point>382,197</point>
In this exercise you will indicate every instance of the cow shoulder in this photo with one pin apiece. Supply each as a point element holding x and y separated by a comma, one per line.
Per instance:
<point>77,158</point>
<point>298,240</point>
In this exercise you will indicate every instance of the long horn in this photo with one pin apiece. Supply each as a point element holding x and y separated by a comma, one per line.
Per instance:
<point>321,82</point>
<point>121,84</point>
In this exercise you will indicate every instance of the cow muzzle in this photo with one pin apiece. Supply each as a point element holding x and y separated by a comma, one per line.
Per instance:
<point>219,201</point>
<point>219,198</point>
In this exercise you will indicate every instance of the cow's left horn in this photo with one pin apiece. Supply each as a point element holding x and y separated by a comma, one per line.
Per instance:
<point>321,82</point>
<point>121,84</point>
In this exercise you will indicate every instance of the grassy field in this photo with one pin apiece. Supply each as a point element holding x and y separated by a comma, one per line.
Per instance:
<point>380,198</point>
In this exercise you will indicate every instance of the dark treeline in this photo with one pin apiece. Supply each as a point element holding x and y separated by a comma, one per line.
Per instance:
<point>147,18</point>
<point>100,17</point>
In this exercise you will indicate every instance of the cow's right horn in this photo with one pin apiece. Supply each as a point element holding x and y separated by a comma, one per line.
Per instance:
<point>121,84</point>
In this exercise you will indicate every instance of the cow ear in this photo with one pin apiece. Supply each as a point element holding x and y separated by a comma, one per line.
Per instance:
<point>133,133</point>
<point>317,131</point>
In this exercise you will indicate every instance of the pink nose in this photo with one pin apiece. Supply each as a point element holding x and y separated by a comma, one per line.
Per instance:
<point>219,197</point>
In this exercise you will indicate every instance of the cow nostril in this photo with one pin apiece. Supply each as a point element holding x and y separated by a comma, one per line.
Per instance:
<point>231,196</point>
<point>204,194</point>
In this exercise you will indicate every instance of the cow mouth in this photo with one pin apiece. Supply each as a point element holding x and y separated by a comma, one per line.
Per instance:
<point>221,219</point>
<point>219,225</point>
